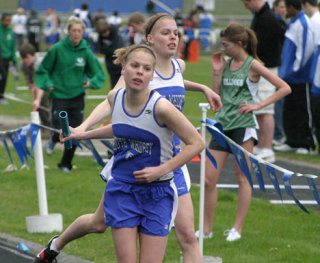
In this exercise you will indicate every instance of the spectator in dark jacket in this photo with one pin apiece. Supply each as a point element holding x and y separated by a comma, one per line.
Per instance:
<point>268,33</point>
<point>109,40</point>
<point>34,29</point>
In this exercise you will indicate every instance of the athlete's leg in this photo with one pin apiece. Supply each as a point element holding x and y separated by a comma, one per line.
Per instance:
<point>83,225</point>
<point>266,130</point>
<point>244,192</point>
<point>211,192</point>
<point>152,248</point>
<point>184,230</point>
<point>124,240</point>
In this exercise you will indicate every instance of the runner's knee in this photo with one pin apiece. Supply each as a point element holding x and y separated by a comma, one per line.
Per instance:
<point>186,237</point>
<point>97,224</point>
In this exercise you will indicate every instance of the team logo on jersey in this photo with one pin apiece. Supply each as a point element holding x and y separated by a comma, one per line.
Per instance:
<point>129,155</point>
<point>148,111</point>
<point>132,148</point>
<point>233,82</point>
<point>80,62</point>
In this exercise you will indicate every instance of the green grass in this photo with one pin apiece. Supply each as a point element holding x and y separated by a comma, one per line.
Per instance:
<point>271,233</point>
<point>230,8</point>
<point>222,7</point>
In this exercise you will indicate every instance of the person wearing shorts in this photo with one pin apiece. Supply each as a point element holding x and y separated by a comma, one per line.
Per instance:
<point>170,83</point>
<point>237,81</point>
<point>269,34</point>
<point>265,118</point>
<point>140,197</point>
<point>238,135</point>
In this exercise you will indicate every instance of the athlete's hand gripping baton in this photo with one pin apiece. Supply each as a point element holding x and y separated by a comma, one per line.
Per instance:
<point>64,122</point>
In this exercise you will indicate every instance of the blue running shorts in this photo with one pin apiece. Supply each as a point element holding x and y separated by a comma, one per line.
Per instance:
<point>149,207</point>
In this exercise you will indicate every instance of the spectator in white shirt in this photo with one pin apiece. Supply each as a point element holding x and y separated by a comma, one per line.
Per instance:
<point>19,26</point>
<point>115,19</point>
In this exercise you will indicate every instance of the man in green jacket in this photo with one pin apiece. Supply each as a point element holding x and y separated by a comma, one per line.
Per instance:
<point>66,71</point>
<point>7,52</point>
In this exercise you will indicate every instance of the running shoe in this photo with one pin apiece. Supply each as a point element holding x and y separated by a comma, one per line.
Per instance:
<point>205,236</point>
<point>267,155</point>
<point>232,235</point>
<point>47,255</point>
<point>64,169</point>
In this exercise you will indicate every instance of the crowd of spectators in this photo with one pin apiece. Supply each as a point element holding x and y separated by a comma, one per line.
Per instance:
<point>107,32</point>
<point>44,30</point>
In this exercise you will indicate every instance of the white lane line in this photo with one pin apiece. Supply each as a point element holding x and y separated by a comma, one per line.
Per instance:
<point>276,202</point>
<point>291,202</point>
<point>255,186</point>
<point>22,88</point>
<point>96,97</point>
<point>267,186</point>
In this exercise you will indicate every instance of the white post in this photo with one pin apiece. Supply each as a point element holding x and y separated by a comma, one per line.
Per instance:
<point>43,223</point>
<point>204,107</point>
<point>38,157</point>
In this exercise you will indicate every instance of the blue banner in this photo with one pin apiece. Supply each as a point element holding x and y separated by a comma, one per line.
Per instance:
<point>34,130</point>
<point>255,166</point>
<point>18,138</point>
<point>242,162</point>
<point>15,138</point>
<point>287,186</point>
<point>90,146</point>
<point>23,139</point>
<point>215,129</point>
<point>313,188</point>
<point>274,180</point>
<point>4,142</point>
<point>211,158</point>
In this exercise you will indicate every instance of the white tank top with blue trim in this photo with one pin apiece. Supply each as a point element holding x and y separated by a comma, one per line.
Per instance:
<point>171,88</point>
<point>139,141</point>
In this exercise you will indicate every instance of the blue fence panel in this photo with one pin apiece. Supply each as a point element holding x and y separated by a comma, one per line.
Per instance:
<point>122,6</point>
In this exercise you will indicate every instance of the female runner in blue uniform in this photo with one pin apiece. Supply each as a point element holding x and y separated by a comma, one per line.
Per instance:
<point>140,196</point>
<point>162,36</point>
